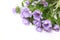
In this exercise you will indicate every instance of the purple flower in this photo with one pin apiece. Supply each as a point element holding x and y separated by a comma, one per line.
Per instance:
<point>45,4</point>
<point>39,29</point>
<point>49,29</point>
<point>25,21</point>
<point>37,23</point>
<point>25,12</point>
<point>56,27</point>
<point>37,15</point>
<point>14,10</point>
<point>27,2</point>
<point>47,25</point>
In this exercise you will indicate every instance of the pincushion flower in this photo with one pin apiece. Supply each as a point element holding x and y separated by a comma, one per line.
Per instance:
<point>44,14</point>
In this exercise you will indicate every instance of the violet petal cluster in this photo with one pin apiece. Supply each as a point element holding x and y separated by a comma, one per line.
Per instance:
<point>47,25</point>
<point>25,12</point>
<point>37,23</point>
<point>56,27</point>
<point>25,21</point>
<point>39,29</point>
<point>37,15</point>
<point>45,4</point>
<point>27,3</point>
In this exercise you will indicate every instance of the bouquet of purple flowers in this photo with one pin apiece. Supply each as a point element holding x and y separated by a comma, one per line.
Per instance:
<point>44,14</point>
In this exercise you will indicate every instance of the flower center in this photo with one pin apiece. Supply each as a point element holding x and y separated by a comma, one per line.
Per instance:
<point>37,14</point>
<point>46,25</point>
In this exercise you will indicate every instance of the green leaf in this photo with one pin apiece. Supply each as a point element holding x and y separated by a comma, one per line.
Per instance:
<point>31,19</point>
<point>24,0</point>
<point>51,1</point>
<point>58,9</point>
<point>22,4</point>
<point>58,21</point>
<point>32,1</point>
<point>18,9</point>
<point>40,7</point>
<point>31,7</point>
<point>57,12</point>
<point>46,13</point>
<point>53,20</point>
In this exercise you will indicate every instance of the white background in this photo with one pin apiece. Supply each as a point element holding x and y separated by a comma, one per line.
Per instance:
<point>12,28</point>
